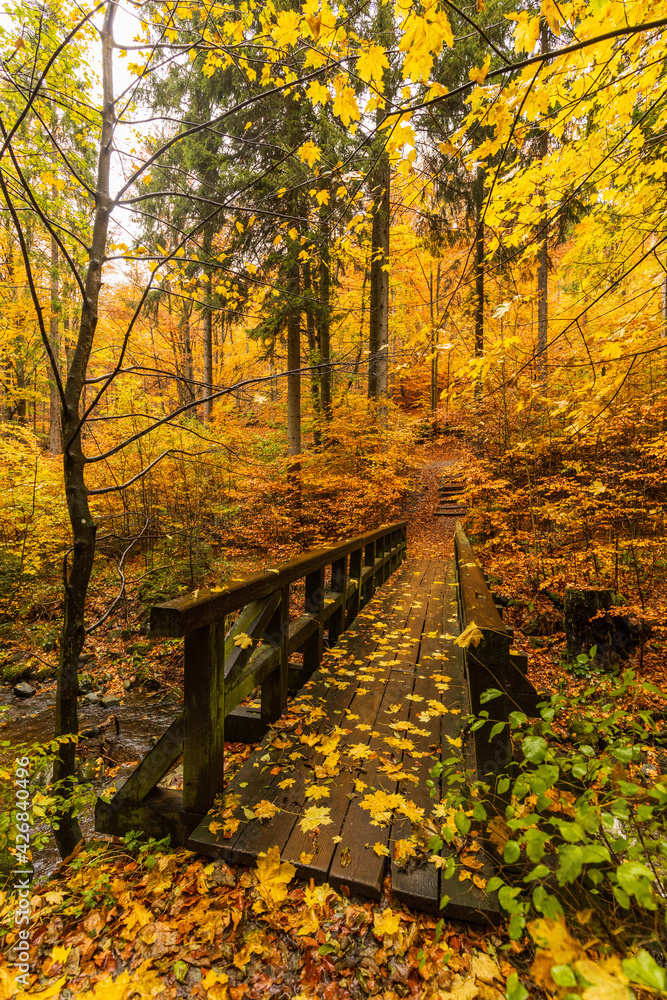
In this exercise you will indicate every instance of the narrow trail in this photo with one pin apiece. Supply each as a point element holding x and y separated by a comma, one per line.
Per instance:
<point>430,537</point>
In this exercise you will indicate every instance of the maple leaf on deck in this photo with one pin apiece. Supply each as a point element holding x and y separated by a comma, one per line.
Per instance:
<point>471,636</point>
<point>273,877</point>
<point>313,817</point>
<point>317,792</point>
<point>265,809</point>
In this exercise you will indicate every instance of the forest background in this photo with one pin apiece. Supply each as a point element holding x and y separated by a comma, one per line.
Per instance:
<point>251,253</point>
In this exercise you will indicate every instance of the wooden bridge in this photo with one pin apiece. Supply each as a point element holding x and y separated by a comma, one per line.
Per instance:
<point>383,692</point>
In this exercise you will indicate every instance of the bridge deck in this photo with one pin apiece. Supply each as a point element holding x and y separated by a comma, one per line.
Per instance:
<point>368,724</point>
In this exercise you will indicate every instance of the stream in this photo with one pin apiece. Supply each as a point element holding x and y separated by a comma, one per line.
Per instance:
<point>142,719</point>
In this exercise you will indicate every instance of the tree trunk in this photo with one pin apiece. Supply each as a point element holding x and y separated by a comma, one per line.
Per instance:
<point>77,574</point>
<point>479,274</point>
<point>324,319</point>
<point>313,351</point>
<point>293,365</point>
<point>543,252</point>
<point>55,415</point>
<point>378,336</point>
<point>208,346</point>
<point>186,387</point>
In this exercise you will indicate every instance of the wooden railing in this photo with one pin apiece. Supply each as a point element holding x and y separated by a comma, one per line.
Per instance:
<point>223,667</point>
<point>491,664</point>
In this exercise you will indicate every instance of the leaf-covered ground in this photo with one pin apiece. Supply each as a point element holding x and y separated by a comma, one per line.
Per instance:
<point>119,924</point>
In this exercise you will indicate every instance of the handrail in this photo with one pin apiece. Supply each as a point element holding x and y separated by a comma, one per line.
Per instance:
<point>489,663</point>
<point>185,614</point>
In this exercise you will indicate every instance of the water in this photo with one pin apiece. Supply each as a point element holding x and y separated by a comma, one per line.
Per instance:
<point>142,721</point>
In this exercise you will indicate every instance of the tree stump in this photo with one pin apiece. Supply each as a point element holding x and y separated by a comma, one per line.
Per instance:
<point>615,635</point>
<point>582,629</point>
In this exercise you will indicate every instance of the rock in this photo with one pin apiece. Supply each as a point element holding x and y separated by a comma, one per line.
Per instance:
<point>85,684</point>
<point>87,657</point>
<point>171,697</point>
<point>86,771</point>
<point>92,698</point>
<point>23,690</point>
<point>127,685</point>
<point>583,732</point>
<point>110,701</point>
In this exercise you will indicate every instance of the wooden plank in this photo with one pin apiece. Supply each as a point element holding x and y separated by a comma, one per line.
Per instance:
<point>354,863</point>
<point>418,884</point>
<point>185,614</point>
<point>365,705</point>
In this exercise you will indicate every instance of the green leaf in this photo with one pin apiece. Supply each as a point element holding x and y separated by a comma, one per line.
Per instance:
<point>515,990</point>
<point>512,852</point>
<point>498,728</point>
<point>644,969</point>
<point>517,719</point>
<point>563,975</point>
<point>503,785</point>
<point>535,841</point>
<point>489,695</point>
<point>570,863</point>
<point>462,823</point>
<point>494,883</point>
<point>534,749</point>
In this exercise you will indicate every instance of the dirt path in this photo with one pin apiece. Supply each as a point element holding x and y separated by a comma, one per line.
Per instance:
<point>430,537</point>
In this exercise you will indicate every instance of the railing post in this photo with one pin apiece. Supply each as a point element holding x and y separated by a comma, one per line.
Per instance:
<point>314,603</point>
<point>356,562</point>
<point>369,585</point>
<point>204,716</point>
<point>274,688</point>
<point>338,586</point>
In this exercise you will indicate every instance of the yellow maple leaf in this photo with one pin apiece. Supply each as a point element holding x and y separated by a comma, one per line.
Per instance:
<point>265,809</point>
<point>215,984</point>
<point>286,783</point>
<point>345,103</point>
<point>471,636</point>
<point>317,93</point>
<point>478,73</point>
<point>381,850</point>
<point>273,877</point>
<point>403,850</point>
<point>286,31</point>
<point>309,153</point>
<point>242,640</point>
<point>371,65</point>
<point>313,817</point>
<point>317,792</point>
<point>386,924</point>
<point>552,14</point>
<point>527,31</point>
